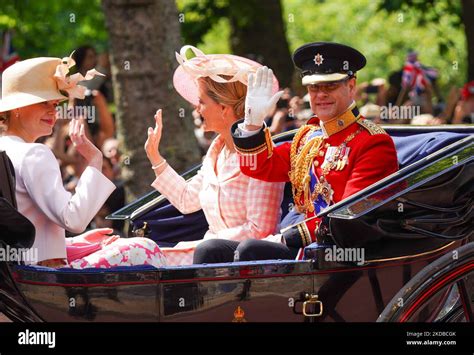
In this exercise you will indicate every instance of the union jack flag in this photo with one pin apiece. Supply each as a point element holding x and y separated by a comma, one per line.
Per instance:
<point>416,77</point>
<point>8,56</point>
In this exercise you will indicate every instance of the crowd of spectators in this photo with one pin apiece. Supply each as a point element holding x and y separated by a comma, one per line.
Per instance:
<point>408,96</point>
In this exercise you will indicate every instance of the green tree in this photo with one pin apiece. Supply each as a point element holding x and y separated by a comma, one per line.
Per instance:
<point>257,30</point>
<point>56,28</point>
<point>383,36</point>
<point>51,27</point>
<point>459,14</point>
<point>142,57</point>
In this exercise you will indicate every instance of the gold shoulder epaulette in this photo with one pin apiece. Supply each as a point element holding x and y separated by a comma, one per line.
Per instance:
<point>370,126</point>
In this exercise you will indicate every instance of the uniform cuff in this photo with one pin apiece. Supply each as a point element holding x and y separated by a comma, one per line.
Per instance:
<point>297,236</point>
<point>256,143</point>
<point>244,133</point>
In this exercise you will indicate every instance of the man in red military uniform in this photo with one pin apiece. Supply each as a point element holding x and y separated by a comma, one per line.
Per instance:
<point>336,154</point>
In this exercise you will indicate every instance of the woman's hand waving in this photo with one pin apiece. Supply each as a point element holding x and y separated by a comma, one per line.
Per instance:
<point>152,145</point>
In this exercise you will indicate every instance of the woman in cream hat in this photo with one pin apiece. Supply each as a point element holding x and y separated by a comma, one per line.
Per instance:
<point>236,207</point>
<point>30,94</point>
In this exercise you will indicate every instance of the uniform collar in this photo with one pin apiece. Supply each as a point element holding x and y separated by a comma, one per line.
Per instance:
<point>338,123</point>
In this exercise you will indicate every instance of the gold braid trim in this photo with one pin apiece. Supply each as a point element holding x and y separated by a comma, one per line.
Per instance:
<point>269,142</point>
<point>304,233</point>
<point>301,163</point>
<point>268,145</point>
<point>251,151</point>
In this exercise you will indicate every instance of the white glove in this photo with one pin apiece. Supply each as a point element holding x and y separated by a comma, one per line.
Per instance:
<point>259,101</point>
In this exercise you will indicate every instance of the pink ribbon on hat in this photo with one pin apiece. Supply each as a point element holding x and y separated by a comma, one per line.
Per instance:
<point>205,66</point>
<point>69,83</point>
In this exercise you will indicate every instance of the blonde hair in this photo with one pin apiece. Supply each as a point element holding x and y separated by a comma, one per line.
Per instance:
<point>231,94</point>
<point>4,120</point>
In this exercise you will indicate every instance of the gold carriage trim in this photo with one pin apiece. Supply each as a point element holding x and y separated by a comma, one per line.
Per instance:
<point>372,127</point>
<point>411,256</point>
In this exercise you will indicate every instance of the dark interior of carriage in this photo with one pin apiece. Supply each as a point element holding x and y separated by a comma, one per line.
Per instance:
<point>15,229</point>
<point>167,226</point>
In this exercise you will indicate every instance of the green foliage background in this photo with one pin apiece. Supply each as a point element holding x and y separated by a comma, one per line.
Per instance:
<point>55,28</point>
<point>383,36</point>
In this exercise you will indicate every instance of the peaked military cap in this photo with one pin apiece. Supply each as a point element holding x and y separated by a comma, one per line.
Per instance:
<point>326,61</point>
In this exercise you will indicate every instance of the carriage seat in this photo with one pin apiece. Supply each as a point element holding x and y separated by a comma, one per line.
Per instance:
<point>412,148</point>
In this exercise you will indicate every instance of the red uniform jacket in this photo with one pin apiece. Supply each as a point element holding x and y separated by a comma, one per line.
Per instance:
<point>372,156</point>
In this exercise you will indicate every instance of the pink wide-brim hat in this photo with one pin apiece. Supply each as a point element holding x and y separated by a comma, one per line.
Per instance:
<point>213,66</point>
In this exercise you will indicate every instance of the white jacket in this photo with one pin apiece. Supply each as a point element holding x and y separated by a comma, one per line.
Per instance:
<point>42,199</point>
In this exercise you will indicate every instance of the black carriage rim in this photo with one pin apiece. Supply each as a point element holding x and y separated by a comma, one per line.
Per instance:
<point>456,275</point>
<point>442,273</point>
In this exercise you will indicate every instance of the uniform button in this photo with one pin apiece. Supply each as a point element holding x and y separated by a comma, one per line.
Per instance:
<point>321,153</point>
<point>326,145</point>
<point>316,163</point>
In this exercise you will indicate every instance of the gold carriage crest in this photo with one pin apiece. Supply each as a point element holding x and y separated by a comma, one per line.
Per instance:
<point>239,315</point>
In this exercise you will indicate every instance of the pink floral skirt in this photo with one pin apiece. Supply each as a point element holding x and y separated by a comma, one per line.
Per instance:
<point>123,252</point>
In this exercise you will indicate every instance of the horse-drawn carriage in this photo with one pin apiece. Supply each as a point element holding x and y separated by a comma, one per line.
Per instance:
<point>413,227</point>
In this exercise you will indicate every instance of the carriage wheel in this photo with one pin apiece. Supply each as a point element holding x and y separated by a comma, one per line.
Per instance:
<point>448,281</point>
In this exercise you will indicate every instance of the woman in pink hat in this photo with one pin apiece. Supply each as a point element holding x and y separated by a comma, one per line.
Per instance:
<point>236,207</point>
<point>30,94</point>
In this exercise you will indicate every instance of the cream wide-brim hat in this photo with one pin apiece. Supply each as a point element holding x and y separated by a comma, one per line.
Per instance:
<point>29,82</point>
<point>214,66</point>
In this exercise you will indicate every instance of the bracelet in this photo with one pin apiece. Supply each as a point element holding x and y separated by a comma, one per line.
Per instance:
<point>159,164</point>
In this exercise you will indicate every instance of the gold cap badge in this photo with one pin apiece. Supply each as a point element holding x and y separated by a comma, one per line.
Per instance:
<point>318,59</point>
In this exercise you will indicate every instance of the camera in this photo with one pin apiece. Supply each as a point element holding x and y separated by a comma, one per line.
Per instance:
<point>372,89</point>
